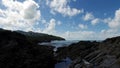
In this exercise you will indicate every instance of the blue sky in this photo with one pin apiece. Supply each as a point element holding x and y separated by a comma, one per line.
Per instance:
<point>71,19</point>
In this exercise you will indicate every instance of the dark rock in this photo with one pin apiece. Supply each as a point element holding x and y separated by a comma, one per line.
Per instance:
<point>106,55</point>
<point>112,40</point>
<point>39,37</point>
<point>87,54</point>
<point>80,49</point>
<point>16,51</point>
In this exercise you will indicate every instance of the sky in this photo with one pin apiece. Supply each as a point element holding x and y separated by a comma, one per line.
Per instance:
<point>70,19</point>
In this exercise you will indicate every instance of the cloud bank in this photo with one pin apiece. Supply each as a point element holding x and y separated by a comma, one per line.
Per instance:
<point>62,7</point>
<point>25,15</point>
<point>19,15</point>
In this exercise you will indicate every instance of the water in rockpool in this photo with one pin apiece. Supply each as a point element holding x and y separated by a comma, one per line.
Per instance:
<point>65,64</point>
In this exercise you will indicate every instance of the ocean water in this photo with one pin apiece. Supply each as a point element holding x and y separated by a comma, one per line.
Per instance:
<point>66,62</point>
<point>60,43</point>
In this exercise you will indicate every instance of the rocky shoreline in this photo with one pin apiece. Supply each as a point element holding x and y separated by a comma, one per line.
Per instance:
<point>92,54</point>
<point>17,51</point>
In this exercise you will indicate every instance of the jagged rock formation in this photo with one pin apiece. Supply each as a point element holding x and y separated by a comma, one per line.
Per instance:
<point>16,51</point>
<point>80,49</point>
<point>86,54</point>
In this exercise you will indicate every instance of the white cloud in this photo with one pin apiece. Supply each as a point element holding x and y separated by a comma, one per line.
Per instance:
<point>107,20</point>
<point>115,22</point>
<point>30,10</point>
<point>43,21</point>
<point>78,35</point>
<point>50,27</point>
<point>74,0</point>
<point>108,33</point>
<point>93,35</point>
<point>19,15</point>
<point>82,26</point>
<point>88,16</point>
<point>95,21</point>
<point>61,6</point>
<point>89,35</point>
<point>23,16</point>
<point>59,22</point>
<point>47,2</point>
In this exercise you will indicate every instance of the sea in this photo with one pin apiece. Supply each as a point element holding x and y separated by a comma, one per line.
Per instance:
<point>60,43</point>
<point>66,62</point>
